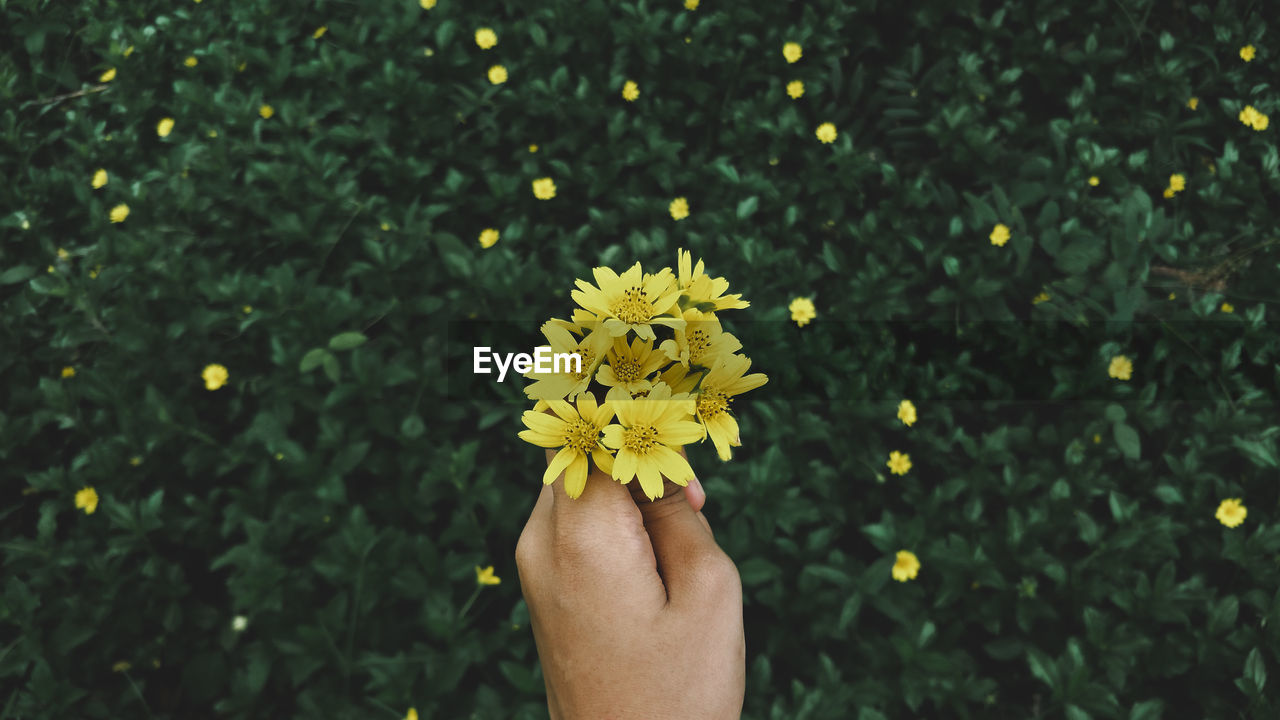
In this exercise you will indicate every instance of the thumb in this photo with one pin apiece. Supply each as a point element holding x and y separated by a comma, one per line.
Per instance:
<point>681,540</point>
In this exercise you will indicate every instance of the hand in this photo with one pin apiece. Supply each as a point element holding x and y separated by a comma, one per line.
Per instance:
<point>636,612</point>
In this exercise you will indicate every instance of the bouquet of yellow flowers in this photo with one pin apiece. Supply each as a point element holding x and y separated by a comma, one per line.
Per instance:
<point>652,343</point>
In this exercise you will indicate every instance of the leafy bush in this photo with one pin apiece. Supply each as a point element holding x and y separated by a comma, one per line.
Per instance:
<point>339,490</point>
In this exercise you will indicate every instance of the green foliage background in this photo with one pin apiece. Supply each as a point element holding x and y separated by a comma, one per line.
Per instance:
<point>338,494</point>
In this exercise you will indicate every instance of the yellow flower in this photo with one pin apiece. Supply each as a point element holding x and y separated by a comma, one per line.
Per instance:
<point>68,372</point>
<point>999,234</point>
<point>164,127</point>
<point>1093,180</point>
<point>826,132</point>
<point>488,237</point>
<point>1231,513</point>
<point>700,343</point>
<point>907,413</point>
<point>486,38</point>
<point>429,52</point>
<point>99,178</point>
<point>679,208</point>
<point>497,74</point>
<point>427,4</point>
<point>1097,438</point>
<point>63,254</point>
<point>246,309</point>
<point>87,498</point>
<point>632,301</point>
<point>190,61</point>
<point>1121,368</point>
<point>266,111</point>
<point>119,213</point>
<point>899,463</point>
<point>485,576</point>
<point>1168,192</point>
<point>802,311</point>
<point>646,436</point>
<point>215,376</point>
<point>792,52</point>
<point>1247,52</point>
<point>905,566</point>
<point>533,148</point>
<point>544,188</point>
<point>1177,183</point>
<point>575,430</point>
<point>691,4</point>
<point>242,66</point>
<point>128,51</point>
<point>50,269</point>
<point>135,461</point>
<point>213,133</point>
<point>566,381</point>
<point>700,291</point>
<point>795,89</point>
<point>715,390</point>
<point>320,31</point>
<point>93,274</point>
<point>1042,297</point>
<point>630,91</point>
<point>1193,103</point>
<point>239,623</point>
<point>413,714</point>
<point>631,366</point>
<point>110,74</point>
<point>1228,308</point>
<point>1254,119</point>
<point>1173,296</point>
<point>121,666</point>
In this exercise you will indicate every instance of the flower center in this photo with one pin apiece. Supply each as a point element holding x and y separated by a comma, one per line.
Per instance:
<point>698,342</point>
<point>712,402</point>
<point>640,439</point>
<point>587,357</point>
<point>634,307</point>
<point>581,436</point>
<point>626,370</point>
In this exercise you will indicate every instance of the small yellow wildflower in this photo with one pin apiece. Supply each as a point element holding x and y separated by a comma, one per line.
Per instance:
<point>792,52</point>
<point>630,91</point>
<point>266,111</point>
<point>1097,438</point>
<point>1231,513</point>
<point>533,148</point>
<point>427,4</point>
<point>1228,307</point>
<point>99,178</point>
<point>121,666</point>
<point>128,51</point>
<point>239,623</point>
<point>50,269</point>
<point>485,576</point>
<point>802,311</point>
<point>26,224</point>
<point>488,237</point>
<point>1254,119</point>
<point>243,64</point>
<point>1173,296</point>
<point>486,38</point>
<point>679,208</point>
<point>1042,297</point>
<point>191,61</point>
<point>213,133</point>
<point>999,235</point>
<point>544,188</point>
<point>428,52</point>
<point>93,274</point>
<point>246,309</point>
<point>1168,192</point>
<point>497,74</point>
<point>1193,103</point>
<point>907,413</point>
<point>691,4</point>
<point>385,226</point>
<point>164,127</point>
<point>119,213</point>
<point>87,498</point>
<point>795,89</point>
<point>215,376</point>
<point>135,461</point>
<point>63,254</point>
<point>110,74</point>
<point>906,566</point>
<point>1247,52</point>
<point>1177,182</point>
<point>68,372</point>
<point>826,132</point>
<point>899,463</point>
<point>1121,368</point>
<point>320,31</point>
<point>1093,180</point>
<point>413,714</point>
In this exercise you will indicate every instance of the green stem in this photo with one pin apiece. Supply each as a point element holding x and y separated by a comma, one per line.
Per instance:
<point>467,606</point>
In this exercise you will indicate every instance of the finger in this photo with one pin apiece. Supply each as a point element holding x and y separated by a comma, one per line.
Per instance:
<point>682,543</point>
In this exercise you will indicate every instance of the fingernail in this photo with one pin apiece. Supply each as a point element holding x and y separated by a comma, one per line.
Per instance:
<point>698,489</point>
